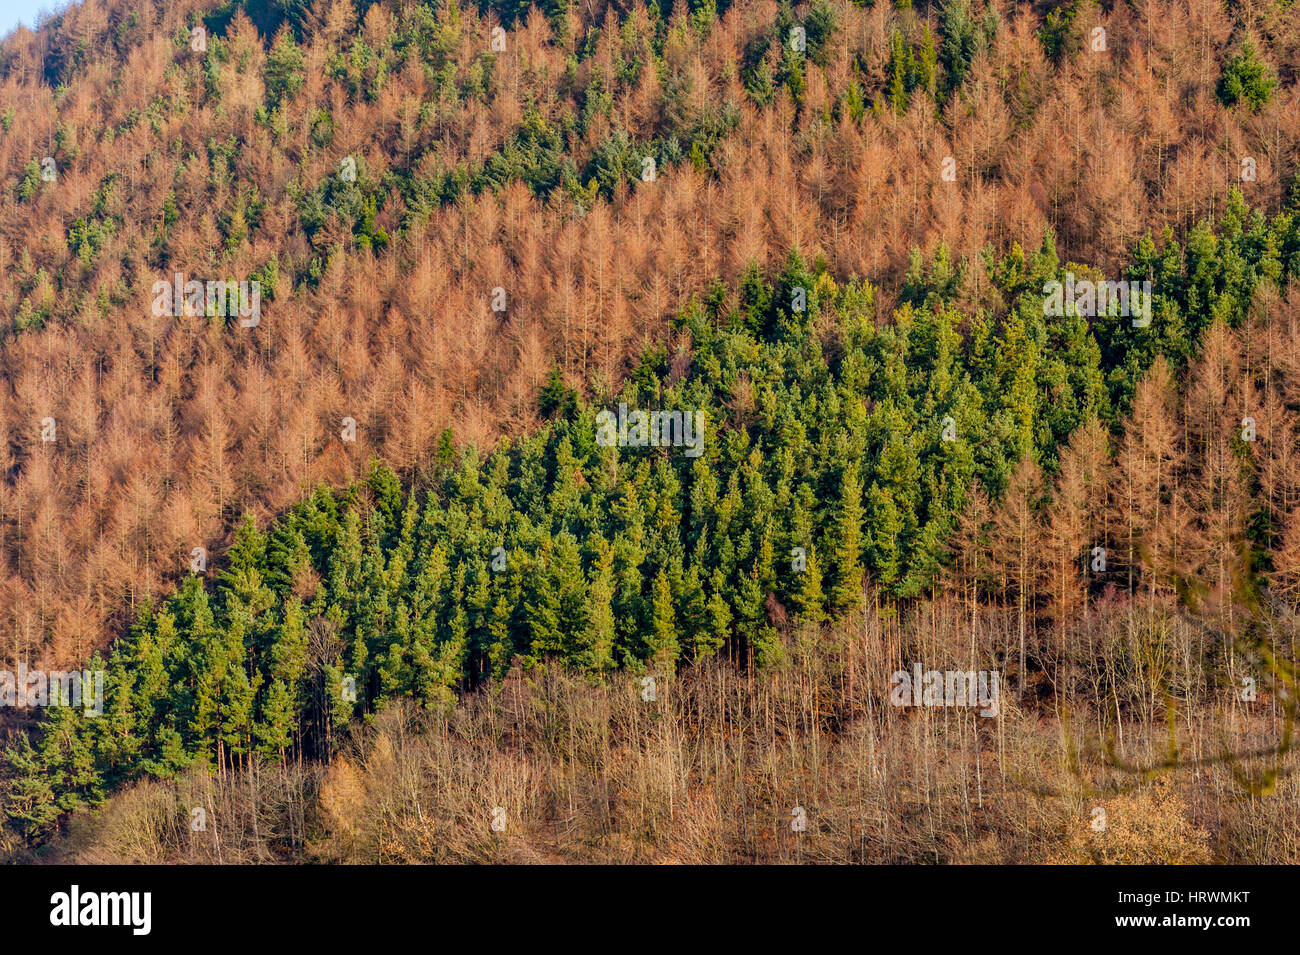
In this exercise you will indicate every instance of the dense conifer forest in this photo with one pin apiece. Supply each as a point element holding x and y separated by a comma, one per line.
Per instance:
<point>635,388</point>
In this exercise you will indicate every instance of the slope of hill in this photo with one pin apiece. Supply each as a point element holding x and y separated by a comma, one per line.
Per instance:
<point>815,243</point>
<point>815,448</point>
<point>518,170</point>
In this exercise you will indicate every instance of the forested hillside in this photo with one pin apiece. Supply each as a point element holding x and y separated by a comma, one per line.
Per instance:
<point>825,460</point>
<point>520,170</point>
<point>384,525</point>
